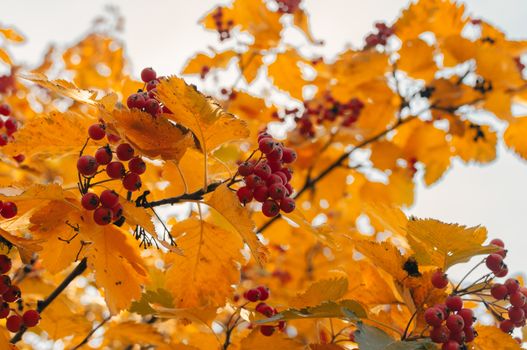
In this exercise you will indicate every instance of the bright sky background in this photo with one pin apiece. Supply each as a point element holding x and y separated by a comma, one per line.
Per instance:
<point>164,33</point>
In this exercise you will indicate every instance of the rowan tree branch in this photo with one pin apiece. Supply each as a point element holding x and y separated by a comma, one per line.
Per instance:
<point>43,304</point>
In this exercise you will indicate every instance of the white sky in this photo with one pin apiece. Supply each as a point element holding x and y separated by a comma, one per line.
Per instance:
<point>164,33</point>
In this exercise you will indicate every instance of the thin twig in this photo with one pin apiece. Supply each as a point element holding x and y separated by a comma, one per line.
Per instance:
<point>89,335</point>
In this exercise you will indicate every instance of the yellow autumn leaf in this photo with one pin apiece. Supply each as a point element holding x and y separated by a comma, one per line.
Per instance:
<point>11,35</point>
<point>253,17</point>
<point>4,56</point>
<point>478,144</point>
<point>196,64</point>
<point>211,125</point>
<point>250,63</point>
<point>205,274</point>
<point>498,66</point>
<point>286,74</point>
<point>491,338</point>
<point>384,154</point>
<point>62,87</point>
<point>114,257</point>
<point>427,144</point>
<point>514,136</point>
<point>443,18</point>
<point>226,203</point>
<point>331,288</point>
<point>130,332</point>
<point>385,217</point>
<point>52,135</point>
<point>499,102</point>
<point>443,245</point>
<point>417,59</point>
<point>258,341</point>
<point>154,137</point>
<point>456,50</point>
<point>384,255</point>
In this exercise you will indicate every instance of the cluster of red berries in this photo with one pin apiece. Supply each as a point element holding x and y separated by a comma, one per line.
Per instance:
<point>106,207</point>
<point>7,82</point>
<point>517,297</point>
<point>267,180</point>
<point>222,26</point>
<point>328,110</point>
<point>10,124</point>
<point>495,261</point>
<point>145,99</point>
<point>381,37</point>
<point>11,294</point>
<point>88,167</point>
<point>261,294</point>
<point>451,323</point>
<point>288,6</point>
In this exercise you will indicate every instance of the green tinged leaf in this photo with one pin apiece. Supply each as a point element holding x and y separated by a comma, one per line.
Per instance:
<point>330,309</point>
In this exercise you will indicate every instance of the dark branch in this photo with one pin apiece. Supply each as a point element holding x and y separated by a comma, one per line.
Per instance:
<point>89,335</point>
<point>43,304</point>
<point>198,195</point>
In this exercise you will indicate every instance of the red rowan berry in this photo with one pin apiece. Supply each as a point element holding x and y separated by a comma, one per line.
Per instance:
<point>277,191</point>
<point>494,262</point>
<point>261,193</point>
<point>152,106</point>
<point>132,182</point>
<point>516,314</point>
<point>270,208</point>
<point>124,152</point>
<point>454,302</point>
<point>13,323</point>
<point>434,316</point>
<point>504,271</point>
<point>267,330</point>
<point>246,169</point>
<point>103,155</point>
<point>5,264</point>
<point>253,180</point>
<point>90,201</point>
<point>276,154</point>
<point>137,165</point>
<point>4,310</point>
<point>97,131</point>
<point>117,212</point>
<point>252,295</point>
<point>109,199</point>
<point>455,323</point>
<point>264,292</point>
<point>10,125</point>
<point>289,155</point>
<point>5,109</point>
<point>499,291</point>
<point>451,345</point>
<point>102,216</point>
<point>115,170</point>
<point>5,283</point>
<point>12,294</point>
<point>267,145</point>
<point>287,205</point>
<point>440,334</point>
<point>87,165</point>
<point>439,279</point>
<point>263,170</point>
<point>513,285</point>
<point>148,74</point>
<point>517,299</point>
<point>468,316</point>
<point>507,326</point>
<point>19,158</point>
<point>245,194</point>
<point>31,318</point>
<point>9,210</point>
<point>135,101</point>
